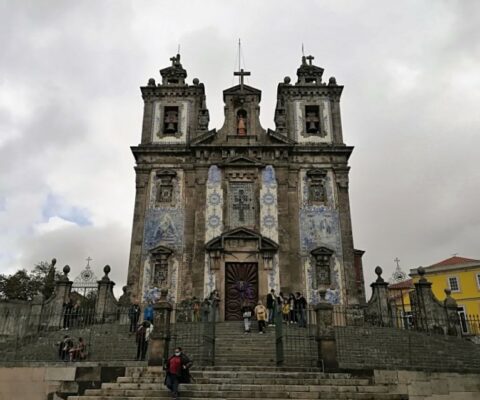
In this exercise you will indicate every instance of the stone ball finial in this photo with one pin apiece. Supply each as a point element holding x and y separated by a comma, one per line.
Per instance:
<point>151,82</point>
<point>125,289</point>
<point>106,269</point>
<point>379,272</point>
<point>66,270</point>
<point>448,292</point>
<point>196,81</point>
<point>286,80</point>
<point>332,81</point>
<point>421,273</point>
<point>54,261</point>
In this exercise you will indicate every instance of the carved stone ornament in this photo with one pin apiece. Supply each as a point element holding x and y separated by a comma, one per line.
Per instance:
<point>164,192</point>
<point>316,186</point>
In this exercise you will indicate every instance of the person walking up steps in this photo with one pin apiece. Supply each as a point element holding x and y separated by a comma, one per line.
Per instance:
<point>247,315</point>
<point>271,307</point>
<point>261,315</point>
<point>142,337</point>
<point>178,371</point>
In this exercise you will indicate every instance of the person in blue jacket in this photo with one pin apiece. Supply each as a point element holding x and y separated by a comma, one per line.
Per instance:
<point>148,313</point>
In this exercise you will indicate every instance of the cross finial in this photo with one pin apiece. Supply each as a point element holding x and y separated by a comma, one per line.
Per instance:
<point>397,260</point>
<point>310,59</point>
<point>88,259</point>
<point>241,74</point>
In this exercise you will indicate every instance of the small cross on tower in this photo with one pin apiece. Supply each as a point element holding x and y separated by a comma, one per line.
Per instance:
<point>241,74</point>
<point>310,59</point>
<point>88,259</point>
<point>397,260</point>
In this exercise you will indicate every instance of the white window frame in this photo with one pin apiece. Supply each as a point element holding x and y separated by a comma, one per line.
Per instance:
<point>458,283</point>
<point>462,317</point>
<point>478,280</point>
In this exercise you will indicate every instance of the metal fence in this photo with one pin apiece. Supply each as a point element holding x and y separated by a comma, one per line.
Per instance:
<point>295,338</point>
<point>194,334</point>
<point>458,325</point>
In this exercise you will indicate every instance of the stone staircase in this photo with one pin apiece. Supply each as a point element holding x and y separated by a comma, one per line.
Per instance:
<point>244,369</point>
<point>105,342</point>
<point>244,382</point>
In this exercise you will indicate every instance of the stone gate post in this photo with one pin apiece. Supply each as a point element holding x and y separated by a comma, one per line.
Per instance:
<point>451,311</point>
<point>378,310</point>
<point>63,288</point>
<point>160,337</point>
<point>106,305</point>
<point>325,337</point>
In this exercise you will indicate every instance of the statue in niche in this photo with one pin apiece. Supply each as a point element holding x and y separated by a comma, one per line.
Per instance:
<point>241,123</point>
<point>164,193</point>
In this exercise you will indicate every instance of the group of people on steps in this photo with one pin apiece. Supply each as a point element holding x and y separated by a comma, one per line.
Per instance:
<point>292,307</point>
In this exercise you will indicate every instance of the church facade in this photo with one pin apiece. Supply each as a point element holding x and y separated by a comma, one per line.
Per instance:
<point>243,209</point>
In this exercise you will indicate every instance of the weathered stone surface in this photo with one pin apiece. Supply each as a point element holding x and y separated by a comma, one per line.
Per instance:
<point>265,185</point>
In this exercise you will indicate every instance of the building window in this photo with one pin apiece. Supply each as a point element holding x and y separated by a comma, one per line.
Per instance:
<point>322,257</point>
<point>170,121</point>
<point>160,260</point>
<point>164,186</point>
<point>316,187</point>
<point>312,119</point>
<point>478,280</point>
<point>462,316</point>
<point>453,284</point>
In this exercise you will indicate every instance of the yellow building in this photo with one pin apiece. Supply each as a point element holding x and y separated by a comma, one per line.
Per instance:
<point>460,275</point>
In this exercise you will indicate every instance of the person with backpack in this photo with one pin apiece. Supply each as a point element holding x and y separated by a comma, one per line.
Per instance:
<point>142,337</point>
<point>64,348</point>
<point>261,315</point>
<point>177,371</point>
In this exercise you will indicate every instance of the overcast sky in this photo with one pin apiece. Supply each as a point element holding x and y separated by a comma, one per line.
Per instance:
<point>70,107</point>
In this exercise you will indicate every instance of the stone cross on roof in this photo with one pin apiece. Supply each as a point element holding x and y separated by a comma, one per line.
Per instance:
<point>241,74</point>
<point>310,59</point>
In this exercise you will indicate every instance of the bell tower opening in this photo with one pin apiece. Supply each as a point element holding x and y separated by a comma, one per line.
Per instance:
<point>170,123</point>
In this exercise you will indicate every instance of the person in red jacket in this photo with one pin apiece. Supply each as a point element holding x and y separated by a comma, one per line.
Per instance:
<point>178,372</point>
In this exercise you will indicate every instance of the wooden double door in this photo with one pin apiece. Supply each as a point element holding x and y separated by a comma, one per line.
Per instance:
<point>241,286</point>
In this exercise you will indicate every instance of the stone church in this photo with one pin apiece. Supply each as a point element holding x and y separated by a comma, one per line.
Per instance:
<point>243,209</point>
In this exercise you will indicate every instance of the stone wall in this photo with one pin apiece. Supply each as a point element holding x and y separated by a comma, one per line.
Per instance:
<point>54,382</point>
<point>431,385</point>
<point>390,348</point>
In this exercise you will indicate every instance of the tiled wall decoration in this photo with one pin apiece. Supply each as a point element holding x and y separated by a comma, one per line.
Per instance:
<point>164,225</point>
<point>320,226</point>
<point>269,204</point>
<point>213,219</point>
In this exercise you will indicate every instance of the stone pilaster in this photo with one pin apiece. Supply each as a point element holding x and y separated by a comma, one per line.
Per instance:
<point>327,351</point>
<point>160,337</point>
<point>378,310</point>
<point>350,292</point>
<point>135,267</point>
<point>63,288</point>
<point>106,306</point>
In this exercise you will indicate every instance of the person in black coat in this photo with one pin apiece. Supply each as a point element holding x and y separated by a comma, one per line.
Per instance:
<point>177,371</point>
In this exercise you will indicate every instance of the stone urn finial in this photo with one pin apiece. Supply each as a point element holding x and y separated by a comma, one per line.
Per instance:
<point>107,270</point>
<point>379,271</point>
<point>421,273</point>
<point>54,261</point>
<point>66,270</point>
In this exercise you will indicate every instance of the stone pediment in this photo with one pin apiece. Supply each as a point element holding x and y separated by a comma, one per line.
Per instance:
<point>238,235</point>
<point>238,90</point>
<point>241,161</point>
<point>161,250</point>
<point>204,138</point>
<point>279,137</point>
